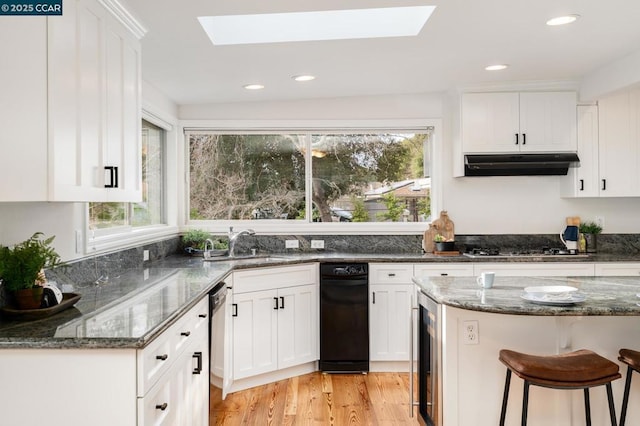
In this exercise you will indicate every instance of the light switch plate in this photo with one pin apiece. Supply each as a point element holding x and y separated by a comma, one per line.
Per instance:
<point>291,244</point>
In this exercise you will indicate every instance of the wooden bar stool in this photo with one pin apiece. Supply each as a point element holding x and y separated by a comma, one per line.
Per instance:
<point>632,359</point>
<point>581,369</point>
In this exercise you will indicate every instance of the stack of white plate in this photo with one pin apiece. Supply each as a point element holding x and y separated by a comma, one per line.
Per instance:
<point>553,295</point>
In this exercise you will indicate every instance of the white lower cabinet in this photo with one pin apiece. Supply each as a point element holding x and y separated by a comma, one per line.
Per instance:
<point>389,321</point>
<point>274,328</point>
<point>177,392</point>
<point>542,269</point>
<point>620,269</point>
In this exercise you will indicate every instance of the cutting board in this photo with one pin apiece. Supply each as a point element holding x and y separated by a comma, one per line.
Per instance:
<point>443,226</point>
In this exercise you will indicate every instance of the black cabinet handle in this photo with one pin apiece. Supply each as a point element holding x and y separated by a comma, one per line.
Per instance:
<point>444,274</point>
<point>281,302</point>
<point>276,300</point>
<point>516,139</point>
<point>113,177</point>
<point>524,139</point>
<point>162,357</point>
<point>374,298</point>
<point>202,315</point>
<point>198,357</point>
<point>604,184</point>
<point>234,306</point>
<point>185,333</point>
<point>162,407</point>
<point>581,184</point>
<point>392,275</point>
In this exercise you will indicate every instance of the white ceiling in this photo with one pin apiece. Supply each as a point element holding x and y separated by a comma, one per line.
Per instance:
<point>451,51</point>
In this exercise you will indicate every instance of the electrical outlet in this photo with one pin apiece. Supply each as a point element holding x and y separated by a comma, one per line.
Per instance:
<point>292,244</point>
<point>600,221</point>
<point>145,255</point>
<point>317,244</point>
<point>470,334</point>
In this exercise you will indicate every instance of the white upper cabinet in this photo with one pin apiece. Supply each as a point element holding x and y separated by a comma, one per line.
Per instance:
<point>609,149</point>
<point>80,139</point>
<point>619,145</point>
<point>519,122</point>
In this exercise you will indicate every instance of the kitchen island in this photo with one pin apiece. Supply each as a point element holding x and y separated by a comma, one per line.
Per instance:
<point>473,378</point>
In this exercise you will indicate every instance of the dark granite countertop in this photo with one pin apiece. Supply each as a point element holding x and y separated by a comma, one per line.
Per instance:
<point>131,309</point>
<point>605,296</point>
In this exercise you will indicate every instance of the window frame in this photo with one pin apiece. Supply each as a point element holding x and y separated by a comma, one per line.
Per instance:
<point>270,226</point>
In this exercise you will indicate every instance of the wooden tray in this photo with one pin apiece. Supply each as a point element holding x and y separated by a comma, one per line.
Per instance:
<point>447,253</point>
<point>68,300</point>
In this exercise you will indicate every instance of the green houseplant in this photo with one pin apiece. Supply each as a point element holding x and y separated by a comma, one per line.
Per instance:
<point>590,230</point>
<point>442,244</point>
<point>22,268</point>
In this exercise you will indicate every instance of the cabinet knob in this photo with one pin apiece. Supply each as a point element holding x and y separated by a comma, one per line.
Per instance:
<point>162,357</point>
<point>162,406</point>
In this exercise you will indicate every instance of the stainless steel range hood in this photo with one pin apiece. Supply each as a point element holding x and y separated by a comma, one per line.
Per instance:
<point>517,164</point>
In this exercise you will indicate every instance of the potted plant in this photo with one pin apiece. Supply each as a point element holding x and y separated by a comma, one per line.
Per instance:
<point>590,230</point>
<point>22,269</point>
<point>194,240</point>
<point>442,244</point>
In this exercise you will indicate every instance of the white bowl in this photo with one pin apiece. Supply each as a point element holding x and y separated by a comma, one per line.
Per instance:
<point>551,289</point>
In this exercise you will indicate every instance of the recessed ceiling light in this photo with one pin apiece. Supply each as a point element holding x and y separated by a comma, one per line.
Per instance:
<point>320,25</point>
<point>303,77</point>
<point>562,20</point>
<point>496,67</point>
<point>253,86</point>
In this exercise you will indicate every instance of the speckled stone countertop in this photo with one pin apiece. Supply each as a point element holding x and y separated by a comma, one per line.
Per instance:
<point>131,309</point>
<point>605,296</point>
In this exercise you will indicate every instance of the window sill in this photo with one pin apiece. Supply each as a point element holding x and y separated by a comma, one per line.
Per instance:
<point>130,238</point>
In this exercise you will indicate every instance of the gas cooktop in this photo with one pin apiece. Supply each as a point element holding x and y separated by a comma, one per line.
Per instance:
<point>544,252</point>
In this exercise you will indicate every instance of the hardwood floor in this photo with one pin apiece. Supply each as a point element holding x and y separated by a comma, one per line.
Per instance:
<point>320,399</point>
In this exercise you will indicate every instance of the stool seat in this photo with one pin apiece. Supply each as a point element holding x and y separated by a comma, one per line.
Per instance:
<point>578,369</point>
<point>631,358</point>
<point>581,369</point>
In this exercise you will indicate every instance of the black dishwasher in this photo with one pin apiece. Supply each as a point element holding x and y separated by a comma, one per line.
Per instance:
<point>344,317</point>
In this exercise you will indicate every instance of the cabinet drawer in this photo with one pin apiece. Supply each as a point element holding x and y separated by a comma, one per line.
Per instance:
<point>160,354</point>
<point>272,278</point>
<point>158,407</point>
<point>443,269</point>
<point>388,273</point>
<point>621,269</point>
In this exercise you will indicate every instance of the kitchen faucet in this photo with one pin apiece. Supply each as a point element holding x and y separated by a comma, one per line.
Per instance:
<point>233,237</point>
<point>208,245</point>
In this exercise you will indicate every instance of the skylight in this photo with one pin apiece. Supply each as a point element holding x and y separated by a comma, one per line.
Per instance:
<point>323,25</point>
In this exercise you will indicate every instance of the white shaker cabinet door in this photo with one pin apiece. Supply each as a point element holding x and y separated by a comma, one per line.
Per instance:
<point>548,122</point>
<point>490,122</point>
<point>255,333</point>
<point>389,321</point>
<point>298,332</point>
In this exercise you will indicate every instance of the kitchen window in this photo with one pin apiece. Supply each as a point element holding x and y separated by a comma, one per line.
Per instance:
<point>108,219</point>
<point>338,177</point>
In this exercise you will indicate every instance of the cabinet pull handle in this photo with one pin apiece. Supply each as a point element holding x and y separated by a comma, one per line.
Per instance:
<point>604,184</point>
<point>374,298</point>
<point>412,317</point>
<point>516,139</point>
<point>185,333</point>
<point>581,184</point>
<point>276,300</point>
<point>234,306</point>
<point>198,357</point>
<point>392,274</point>
<point>281,302</point>
<point>524,139</point>
<point>162,406</point>
<point>202,315</point>
<point>444,274</point>
<point>162,357</point>
<point>111,183</point>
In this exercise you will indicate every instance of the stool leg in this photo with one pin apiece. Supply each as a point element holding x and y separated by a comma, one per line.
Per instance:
<point>587,406</point>
<point>525,403</point>
<point>625,399</point>
<point>505,397</point>
<point>612,408</point>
